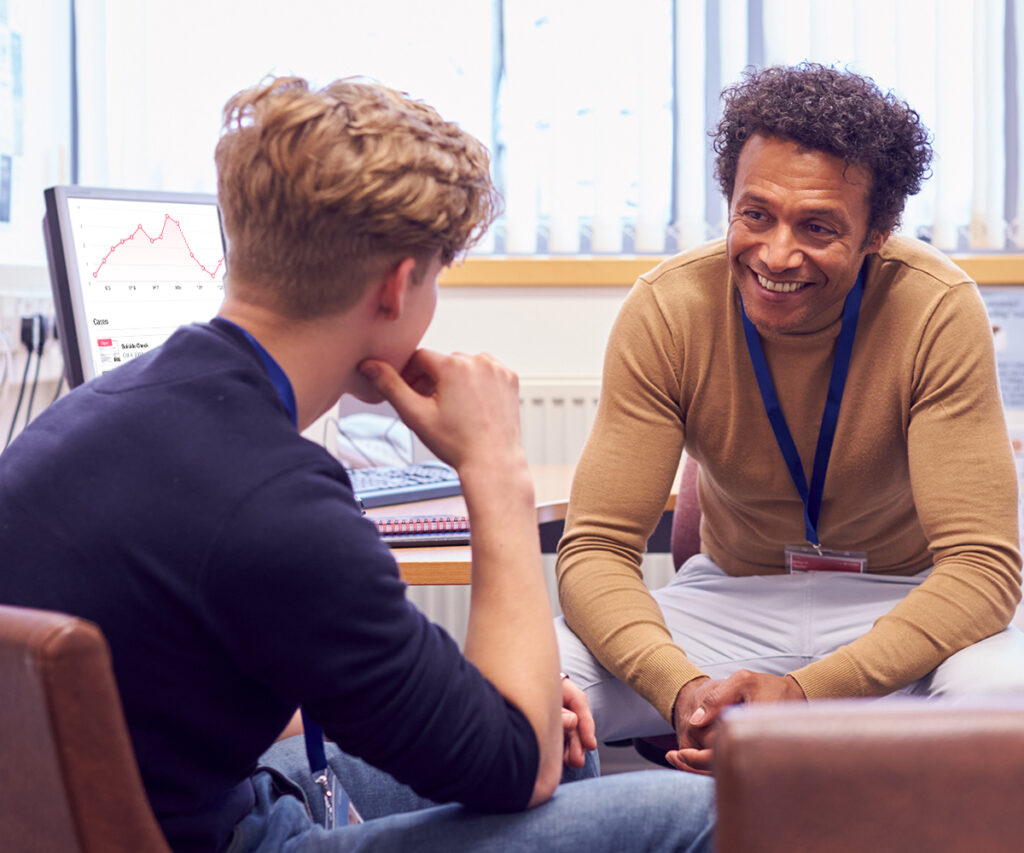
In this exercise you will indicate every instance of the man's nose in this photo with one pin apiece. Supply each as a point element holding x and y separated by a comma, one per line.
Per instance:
<point>781,250</point>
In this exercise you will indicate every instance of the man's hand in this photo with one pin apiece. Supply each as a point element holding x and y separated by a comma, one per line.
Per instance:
<point>577,725</point>
<point>464,408</point>
<point>694,752</point>
<point>700,703</point>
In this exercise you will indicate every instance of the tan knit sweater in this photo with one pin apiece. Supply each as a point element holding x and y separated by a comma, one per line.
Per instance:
<point>921,471</point>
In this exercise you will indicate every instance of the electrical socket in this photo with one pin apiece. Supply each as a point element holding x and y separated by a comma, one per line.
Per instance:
<point>14,307</point>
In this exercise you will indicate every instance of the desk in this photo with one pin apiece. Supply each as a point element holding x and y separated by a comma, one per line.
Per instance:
<point>436,565</point>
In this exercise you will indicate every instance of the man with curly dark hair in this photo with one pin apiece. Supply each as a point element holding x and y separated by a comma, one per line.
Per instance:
<point>811,341</point>
<point>845,115</point>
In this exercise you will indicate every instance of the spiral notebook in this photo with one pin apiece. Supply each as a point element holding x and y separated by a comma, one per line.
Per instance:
<point>418,530</point>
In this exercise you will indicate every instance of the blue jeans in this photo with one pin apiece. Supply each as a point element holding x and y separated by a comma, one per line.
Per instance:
<point>646,810</point>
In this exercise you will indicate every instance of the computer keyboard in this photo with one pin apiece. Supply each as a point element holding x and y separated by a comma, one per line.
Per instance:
<point>383,486</point>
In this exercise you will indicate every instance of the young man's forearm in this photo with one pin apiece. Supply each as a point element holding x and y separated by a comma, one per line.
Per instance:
<point>510,636</point>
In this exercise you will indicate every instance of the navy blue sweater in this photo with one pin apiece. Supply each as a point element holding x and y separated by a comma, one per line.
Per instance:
<point>172,502</point>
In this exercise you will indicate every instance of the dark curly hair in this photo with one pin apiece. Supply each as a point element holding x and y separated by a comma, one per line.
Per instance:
<point>839,112</point>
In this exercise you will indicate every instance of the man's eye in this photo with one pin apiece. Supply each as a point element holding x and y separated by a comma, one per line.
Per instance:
<point>819,230</point>
<point>756,215</point>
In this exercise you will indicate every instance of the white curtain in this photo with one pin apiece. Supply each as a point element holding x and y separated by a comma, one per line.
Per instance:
<point>35,134</point>
<point>689,224</point>
<point>946,59</point>
<point>600,114</point>
<point>586,124</point>
<point>153,75</point>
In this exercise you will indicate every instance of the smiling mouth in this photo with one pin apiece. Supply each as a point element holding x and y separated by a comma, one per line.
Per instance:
<point>780,286</point>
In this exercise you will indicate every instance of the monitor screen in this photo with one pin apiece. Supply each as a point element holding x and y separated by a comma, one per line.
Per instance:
<point>127,268</point>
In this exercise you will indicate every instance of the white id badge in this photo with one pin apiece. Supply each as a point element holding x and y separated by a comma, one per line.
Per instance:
<point>806,558</point>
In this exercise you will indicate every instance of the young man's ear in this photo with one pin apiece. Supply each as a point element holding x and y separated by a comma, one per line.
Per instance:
<point>392,287</point>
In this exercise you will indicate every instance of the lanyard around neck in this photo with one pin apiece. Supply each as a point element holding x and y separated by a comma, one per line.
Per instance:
<point>811,497</point>
<point>314,735</point>
<point>278,378</point>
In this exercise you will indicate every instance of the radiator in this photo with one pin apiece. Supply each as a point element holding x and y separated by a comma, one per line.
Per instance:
<point>556,414</point>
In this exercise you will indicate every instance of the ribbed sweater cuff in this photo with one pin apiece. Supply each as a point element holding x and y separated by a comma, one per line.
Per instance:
<point>832,677</point>
<point>664,672</point>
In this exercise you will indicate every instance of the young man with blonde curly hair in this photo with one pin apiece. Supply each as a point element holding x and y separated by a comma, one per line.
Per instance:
<point>227,561</point>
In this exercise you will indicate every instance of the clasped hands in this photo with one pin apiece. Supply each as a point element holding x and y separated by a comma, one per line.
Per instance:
<point>700,703</point>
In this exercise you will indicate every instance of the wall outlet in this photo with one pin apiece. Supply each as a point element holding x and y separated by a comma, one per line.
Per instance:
<point>14,357</point>
<point>13,307</point>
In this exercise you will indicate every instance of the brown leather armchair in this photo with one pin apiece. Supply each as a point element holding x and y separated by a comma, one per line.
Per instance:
<point>69,780</point>
<point>891,776</point>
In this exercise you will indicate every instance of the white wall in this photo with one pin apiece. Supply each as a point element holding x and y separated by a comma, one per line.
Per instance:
<point>537,331</point>
<point>540,332</point>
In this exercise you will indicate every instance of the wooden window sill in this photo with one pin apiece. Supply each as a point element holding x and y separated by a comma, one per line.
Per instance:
<point>622,270</point>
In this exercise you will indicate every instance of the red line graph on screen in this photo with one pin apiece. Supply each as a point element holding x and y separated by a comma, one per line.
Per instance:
<point>133,240</point>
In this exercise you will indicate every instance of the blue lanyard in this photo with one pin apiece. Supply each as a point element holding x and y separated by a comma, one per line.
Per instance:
<point>840,367</point>
<point>277,376</point>
<point>314,735</point>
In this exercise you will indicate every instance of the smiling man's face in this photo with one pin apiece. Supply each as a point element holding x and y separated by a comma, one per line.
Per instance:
<point>798,224</point>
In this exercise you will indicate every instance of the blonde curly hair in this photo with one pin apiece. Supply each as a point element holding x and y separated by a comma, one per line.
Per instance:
<point>321,190</point>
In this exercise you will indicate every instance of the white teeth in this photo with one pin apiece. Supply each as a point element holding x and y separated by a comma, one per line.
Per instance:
<point>780,286</point>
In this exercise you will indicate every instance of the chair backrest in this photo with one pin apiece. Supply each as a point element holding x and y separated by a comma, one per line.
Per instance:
<point>686,516</point>
<point>69,780</point>
<point>884,776</point>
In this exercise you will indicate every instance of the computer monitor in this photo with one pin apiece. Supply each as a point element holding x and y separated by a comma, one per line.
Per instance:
<point>127,268</point>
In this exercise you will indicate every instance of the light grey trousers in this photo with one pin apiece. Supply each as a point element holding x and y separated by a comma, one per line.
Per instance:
<point>776,624</point>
